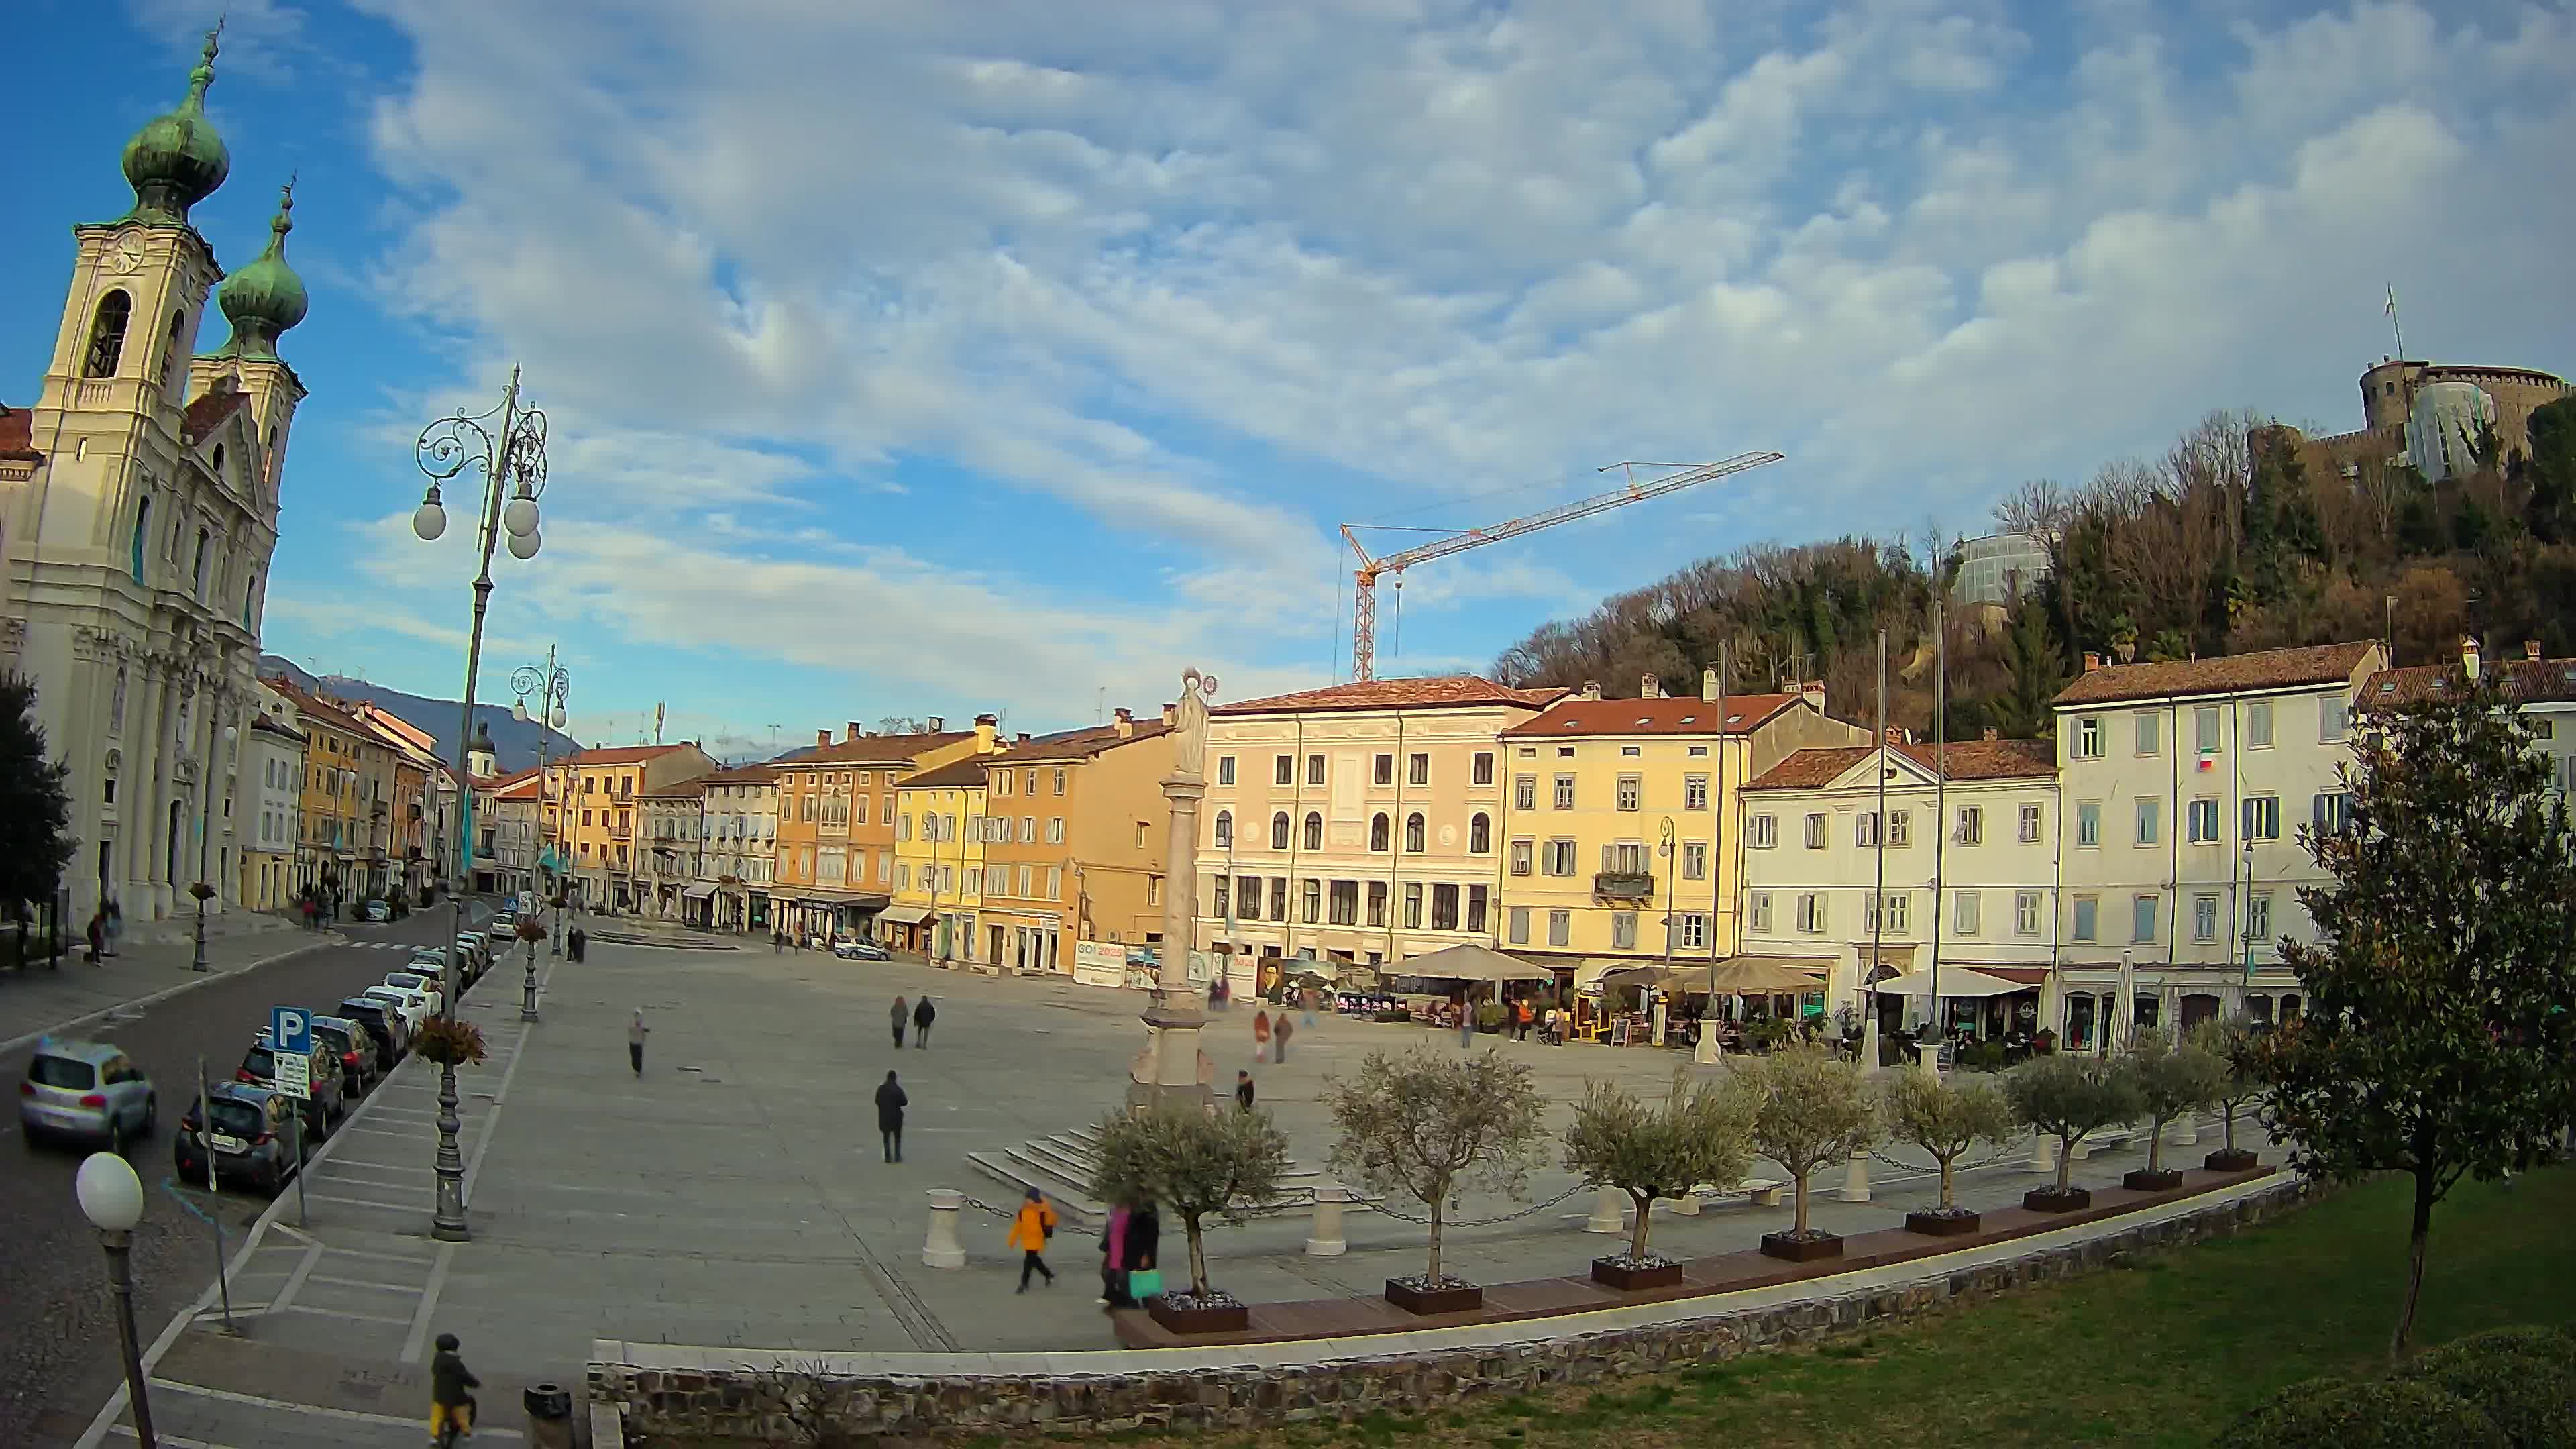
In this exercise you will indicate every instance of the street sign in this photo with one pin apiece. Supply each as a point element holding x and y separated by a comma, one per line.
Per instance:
<point>290,1028</point>
<point>294,1074</point>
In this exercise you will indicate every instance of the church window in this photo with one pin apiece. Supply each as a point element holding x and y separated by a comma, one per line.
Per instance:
<point>219,462</point>
<point>142,531</point>
<point>116,703</point>
<point>107,334</point>
<point>205,543</point>
<point>250,592</point>
<point>170,349</point>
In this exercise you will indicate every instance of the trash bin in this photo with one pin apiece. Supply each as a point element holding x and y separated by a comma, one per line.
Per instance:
<point>549,1409</point>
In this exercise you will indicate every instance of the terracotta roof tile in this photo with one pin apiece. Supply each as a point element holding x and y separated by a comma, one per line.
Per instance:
<point>695,785</point>
<point>1081,744</point>
<point>2527,681</point>
<point>966,773</point>
<point>2228,674</point>
<point>870,749</point>
<point>18,435</point>
<point>1447,691</point>
<point>621,754</point>
<point>330,714</point>
<point>1666,716</point>
<point>1967,760</point>
<point>762,774</point>
<point>208,412</point>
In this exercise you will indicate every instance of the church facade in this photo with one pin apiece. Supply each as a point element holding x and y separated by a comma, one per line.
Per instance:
<point>138,513</point>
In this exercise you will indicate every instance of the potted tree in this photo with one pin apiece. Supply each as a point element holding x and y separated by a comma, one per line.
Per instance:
<point>2069,1098</point>
<point>1945,1117</point>
<point>2239,1050</point>
<point>1203,1165</point>
<point>2172,1078</point>
<point>1434,1125</point>
<point>1812,1111</point>
<point>1698,1133</point>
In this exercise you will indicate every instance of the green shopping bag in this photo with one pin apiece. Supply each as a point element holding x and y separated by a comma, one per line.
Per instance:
<point>1144,1283</point>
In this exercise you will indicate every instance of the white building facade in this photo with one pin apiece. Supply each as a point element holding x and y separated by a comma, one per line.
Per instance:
<point>738,831</point>
<point>2184,787</point>
<point>140,510</point>
<point>271,812</point>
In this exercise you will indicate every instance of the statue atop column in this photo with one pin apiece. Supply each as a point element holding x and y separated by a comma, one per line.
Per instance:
<point>1190,725</point>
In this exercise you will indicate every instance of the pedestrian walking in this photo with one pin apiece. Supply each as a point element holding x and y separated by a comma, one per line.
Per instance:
<point>1113,1269</point>
<point>1279,1038</point>
<point>890,1104</point>
<point>1526,1015</point>
<point>115,926</point>
<point>778,943</point>
<point>636,1031</point>
<point>1466,1022</point>
<point>97,936</point>
<point>1261,1035</point>
<point>902,1013</point>
<point>1306,997</point>
<point>1030,1230</point>
<point>923,1014</point>
<point>1143,1247</point>
<point>1243,1090</point>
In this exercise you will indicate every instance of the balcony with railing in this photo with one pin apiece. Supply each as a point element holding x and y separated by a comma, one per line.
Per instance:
<point>1624,885</point>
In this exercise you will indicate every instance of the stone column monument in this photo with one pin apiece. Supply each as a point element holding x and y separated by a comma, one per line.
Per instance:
<point>1172,1071</point>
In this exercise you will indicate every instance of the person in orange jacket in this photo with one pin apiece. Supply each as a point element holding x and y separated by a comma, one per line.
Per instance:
<point>1030,1230</point>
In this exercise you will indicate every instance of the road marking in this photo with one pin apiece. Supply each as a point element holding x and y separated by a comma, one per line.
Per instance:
<point>294,1283</point>
<point>381,1257</point>
<point>154,998</point>
<point>390,1207</point>
<point>173,1440</point>
<point>338,1162</point>
<point>352,1416</point>
<point>418,1338</point>
<point>363,1283</point>
<point>339,1313</point>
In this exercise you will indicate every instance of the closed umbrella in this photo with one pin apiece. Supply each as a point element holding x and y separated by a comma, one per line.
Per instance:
<point>2124,1013</point>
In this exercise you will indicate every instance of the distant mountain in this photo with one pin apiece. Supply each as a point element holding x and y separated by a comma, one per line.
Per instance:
<point>514,744</point>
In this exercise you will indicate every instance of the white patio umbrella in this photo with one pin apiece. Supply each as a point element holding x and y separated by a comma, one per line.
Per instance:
<point>2124,1013</point>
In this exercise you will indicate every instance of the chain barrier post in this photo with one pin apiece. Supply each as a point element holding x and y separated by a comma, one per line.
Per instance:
<point>1324,1239</point>
<point>941,1248</point>
<point>1609,1213</point>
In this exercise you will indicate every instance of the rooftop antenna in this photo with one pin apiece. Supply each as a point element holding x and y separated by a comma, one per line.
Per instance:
<point>2393,324</point>
<point>657,721</point>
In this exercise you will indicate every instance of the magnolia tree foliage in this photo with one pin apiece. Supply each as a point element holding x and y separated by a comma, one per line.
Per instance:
<point>1434,1125</point>
<point>2171,1077</point>
<point>2439,1028</point>
<point>35,804</point>
<point>2070,1098</point>
<point>1946,1117</point>
<point>1812,1110</point>
<point>1700,1132</point>
<point>1200,1164</point>
<point>2240,1052</point>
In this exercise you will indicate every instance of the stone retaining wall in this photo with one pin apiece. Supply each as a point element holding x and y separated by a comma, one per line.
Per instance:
<point>716,1396</point>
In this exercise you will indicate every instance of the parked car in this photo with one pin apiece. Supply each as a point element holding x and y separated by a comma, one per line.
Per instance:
<point>245,1139</point>
<point>858,950</point>
<point>379,911</point>
<point>349,1041</point>
<point>484,947</point>
<point>86,1091</point>
<point>324,1103</point>
<point>504,927</point>
<point>413,1005</point>
<point>384,1023</point>
<point>426,985</point>
<point>472,958</point>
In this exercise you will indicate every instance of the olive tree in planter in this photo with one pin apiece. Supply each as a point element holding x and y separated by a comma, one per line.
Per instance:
<point>1699,1133</point>
<point>1203,1165</point>
<point>2172,1077</point>
<point>2069,1098</point>
<point>1434,1125</point>
<point>1812,1110</point>
<point>1946,1117</point>
<point>2240,1051</point>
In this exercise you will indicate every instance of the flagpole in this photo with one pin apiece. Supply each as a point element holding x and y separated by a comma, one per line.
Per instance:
<point>2394,325</point>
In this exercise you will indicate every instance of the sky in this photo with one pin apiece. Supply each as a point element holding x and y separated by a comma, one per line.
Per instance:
<point>931,359</point>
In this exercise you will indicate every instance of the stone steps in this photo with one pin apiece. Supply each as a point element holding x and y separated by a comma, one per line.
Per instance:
<point>1061,1165</point>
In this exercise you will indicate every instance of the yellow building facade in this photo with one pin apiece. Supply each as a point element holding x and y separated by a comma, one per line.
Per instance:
<point>939,859</point>
<point>597,841</point>
<point>1617,825</point>
<point>1075,830</point>
<point>834,857</point>
<point>347,767</point>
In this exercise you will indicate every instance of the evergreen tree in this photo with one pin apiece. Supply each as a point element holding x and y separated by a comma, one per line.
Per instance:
<point>35,804</point>
<point>2035,672</point>
<point>2437,1033</point>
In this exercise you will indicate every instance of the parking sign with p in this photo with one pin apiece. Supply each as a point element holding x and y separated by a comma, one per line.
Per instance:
<point>291,1029</point>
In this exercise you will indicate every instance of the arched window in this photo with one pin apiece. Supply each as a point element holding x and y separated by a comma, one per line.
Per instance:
<point>1314,831</point>
<point>142,531</point>
<point>250,596</point>
<point>219,462</point>
<point>170,348</point>
<point>1224,829</point>
<point>107,335</point>
<point>1413,832</point>
<point>1378,832</point>
<point>1480,835</point>
<point>205,545</point>
<point>1279,831</point>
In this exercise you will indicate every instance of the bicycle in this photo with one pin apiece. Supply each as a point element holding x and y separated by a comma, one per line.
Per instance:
<point>454,1426</point>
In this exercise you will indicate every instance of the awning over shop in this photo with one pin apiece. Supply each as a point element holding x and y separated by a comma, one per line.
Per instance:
<point>905,915</point>
<point>1468,961</point>
<point>1657,978</point>
<point>1955,981</point>
<point>2023,976</point>
<point>1764,975</point>
<point>698,892</point>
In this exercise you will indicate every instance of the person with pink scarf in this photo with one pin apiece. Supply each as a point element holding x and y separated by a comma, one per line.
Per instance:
<point>1113,1253</point>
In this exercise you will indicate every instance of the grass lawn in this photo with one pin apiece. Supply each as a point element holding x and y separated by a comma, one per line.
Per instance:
<point>2165,1352</point>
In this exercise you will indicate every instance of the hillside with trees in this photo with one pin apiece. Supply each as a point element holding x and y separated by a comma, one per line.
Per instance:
<point>2222,545</point>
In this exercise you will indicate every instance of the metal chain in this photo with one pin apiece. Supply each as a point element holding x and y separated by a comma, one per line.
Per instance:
<point>988,1207</point>
<point>1482,1222</point>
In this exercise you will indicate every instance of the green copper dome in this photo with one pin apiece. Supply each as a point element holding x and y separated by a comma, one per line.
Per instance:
<point>177,160</point>
<point>265,298</point>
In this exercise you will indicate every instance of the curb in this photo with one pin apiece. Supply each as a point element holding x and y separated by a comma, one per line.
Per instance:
<point>152,998</point>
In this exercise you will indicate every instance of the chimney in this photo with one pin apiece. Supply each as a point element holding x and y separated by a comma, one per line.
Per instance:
<point>1591,689</point>
<point>987,726</point>
<point>1023,738</point>
<point>1650,688</point>
<point>2469,657</point>
<point>1992,734</point>
<point>1708,685</point>
<point>2092,662</point>
<point>1125,721</point>
<point>850,731</point>
<point>1896,734</point>
<point>1813,691</point>
<point>2531,650</point>
<point>938,725</point>
<point>822,737</point>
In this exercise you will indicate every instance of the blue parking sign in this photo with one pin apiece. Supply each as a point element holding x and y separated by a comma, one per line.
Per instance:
<point>290,1028</point>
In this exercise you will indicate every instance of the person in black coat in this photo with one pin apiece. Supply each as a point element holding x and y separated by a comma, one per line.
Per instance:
<point>922,1016</point>
<point>890,1104</point>
<point>1143,1243</point>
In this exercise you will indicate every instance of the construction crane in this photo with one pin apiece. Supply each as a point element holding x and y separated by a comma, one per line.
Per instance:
<point>1364,612</point>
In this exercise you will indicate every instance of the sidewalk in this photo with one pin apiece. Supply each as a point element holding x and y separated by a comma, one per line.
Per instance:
<point>44,999</point>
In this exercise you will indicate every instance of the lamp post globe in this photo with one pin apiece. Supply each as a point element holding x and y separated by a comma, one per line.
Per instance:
<point>524,546</point>
<point>111,1197</point>
<point>519,516</point>
<point>429,520</point>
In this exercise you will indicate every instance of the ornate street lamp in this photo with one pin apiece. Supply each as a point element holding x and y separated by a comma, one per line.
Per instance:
<point>111,1197</point>
<point>202,889</point>
<point>508,444</point>
<point>552,685</point>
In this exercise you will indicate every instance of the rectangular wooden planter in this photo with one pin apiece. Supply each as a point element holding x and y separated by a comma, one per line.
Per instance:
<point>1235,1318</point>
<point>2050,1200</point>
<point>2227,1160</point>
<point>1801,1250</point>
<point>1936,1225</point>
<point>1465,1299</point>
<point>2140,1180</point>
<point>1628,1280</point>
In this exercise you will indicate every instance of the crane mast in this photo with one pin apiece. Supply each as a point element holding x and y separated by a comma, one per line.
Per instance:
<point>1364,607</point>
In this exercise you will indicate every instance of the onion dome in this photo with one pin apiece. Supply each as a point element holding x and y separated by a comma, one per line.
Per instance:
<point>264,298</point>
<point>177,160</point>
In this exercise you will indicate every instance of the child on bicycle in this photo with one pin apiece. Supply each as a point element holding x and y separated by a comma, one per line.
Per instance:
<point>451,1408</point>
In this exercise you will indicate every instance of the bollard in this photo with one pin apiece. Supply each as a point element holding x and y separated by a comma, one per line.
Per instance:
<point>1324,1239</point>
<point>1855,1186</point>
<point>1928,1061</point>
<point>1686,1202</point>
<point>2043,1152</point>
<point>549,1409</point>
<point>1706,1050</point>
<point>1609,1212</point>
<point>2186,1131</point>
<point>940,1249</point>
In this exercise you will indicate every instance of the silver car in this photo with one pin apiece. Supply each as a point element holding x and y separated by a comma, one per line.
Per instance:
<point>85,1090</point>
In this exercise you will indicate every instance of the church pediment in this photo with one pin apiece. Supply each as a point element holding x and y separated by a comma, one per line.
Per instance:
<point>222,439</point>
